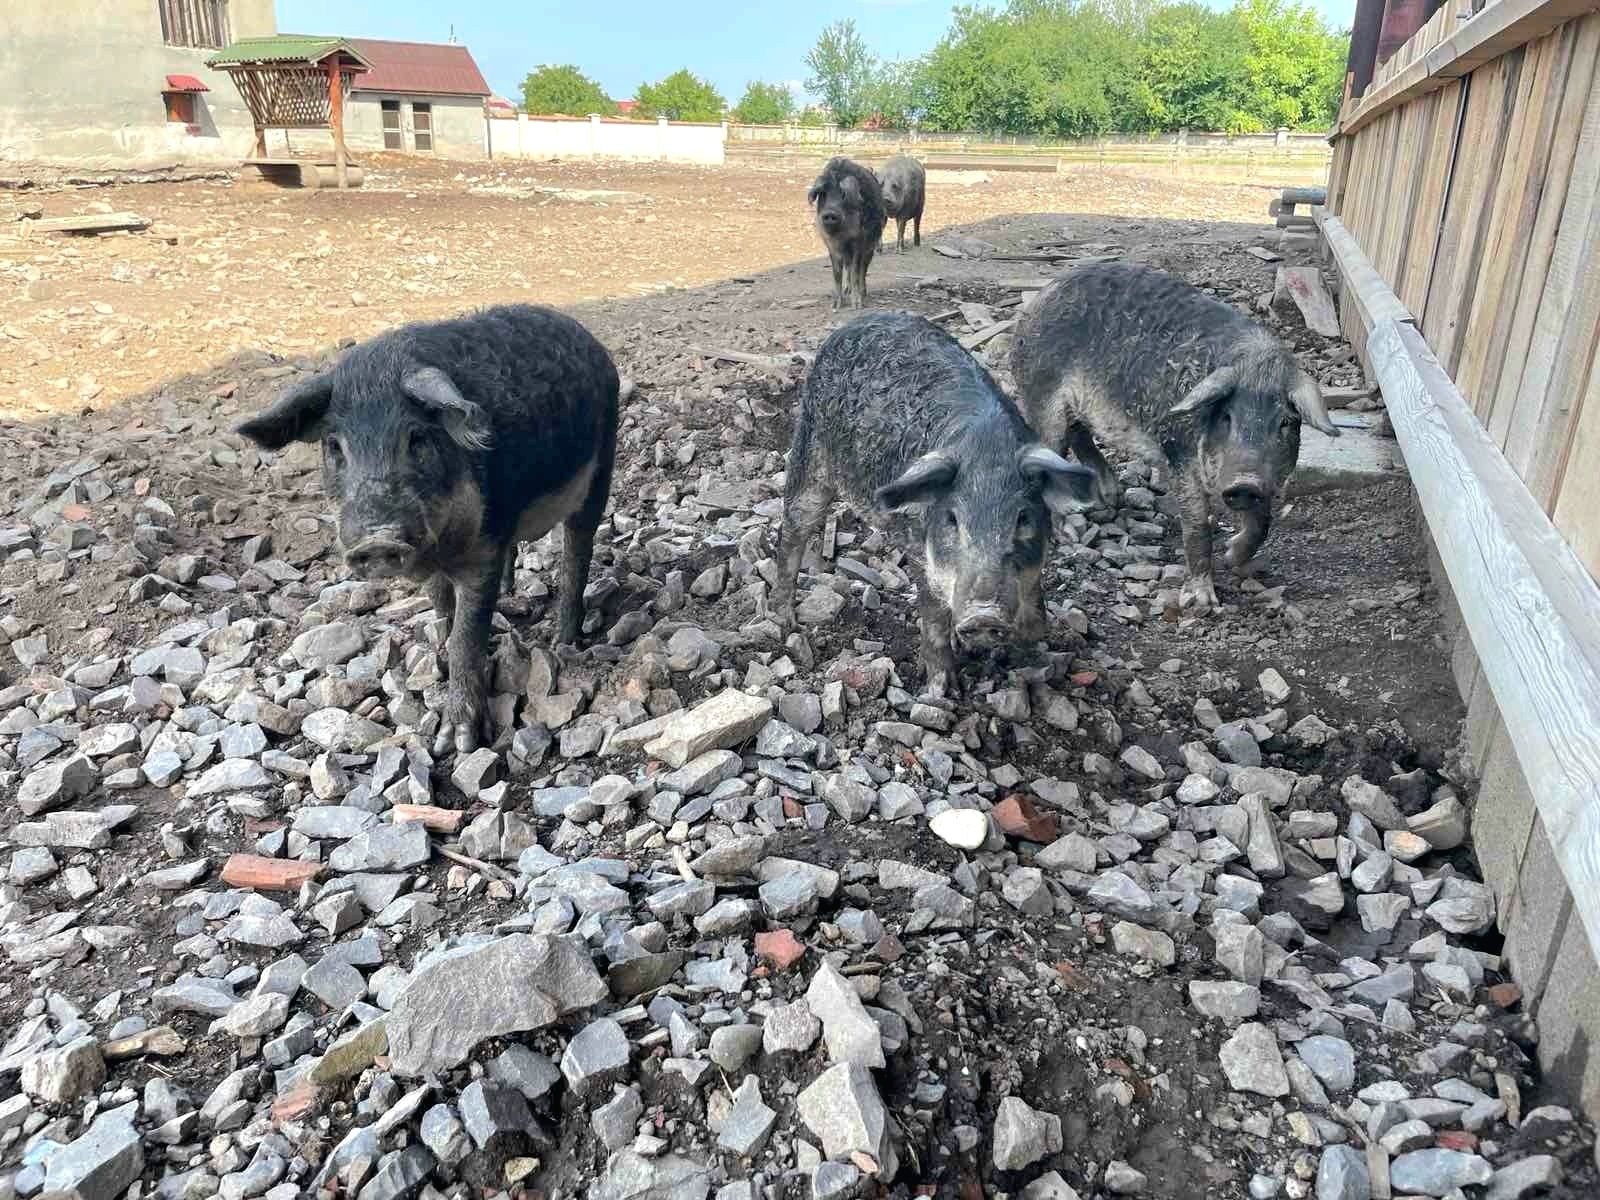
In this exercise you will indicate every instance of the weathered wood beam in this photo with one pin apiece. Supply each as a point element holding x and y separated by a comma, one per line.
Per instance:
<point>1501,27</point>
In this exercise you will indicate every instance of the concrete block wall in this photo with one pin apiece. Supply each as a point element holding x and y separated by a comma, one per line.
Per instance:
<point>600,138</point>
<point>1545,942</point>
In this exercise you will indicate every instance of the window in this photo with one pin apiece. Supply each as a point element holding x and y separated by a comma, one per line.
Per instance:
<point>180,108</point>
<point>198,23</point>
<point>391,125</point>
<point>422,126</point>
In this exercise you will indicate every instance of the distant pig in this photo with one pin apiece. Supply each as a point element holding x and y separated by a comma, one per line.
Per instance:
<point>447,443</point>
<point>850,219</point>
<point>1163,371</point>
<point>905,188</point>
<point>903,424</point>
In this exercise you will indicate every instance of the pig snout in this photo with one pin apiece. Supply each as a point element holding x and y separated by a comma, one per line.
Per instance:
<point>983,626</point>
<point>382,554</point>
<point>1244,494</point>
<point>831,220</point>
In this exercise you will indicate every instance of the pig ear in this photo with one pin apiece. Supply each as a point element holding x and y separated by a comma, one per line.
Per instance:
<point>923,480</point>
<point>851,189</point>
<point>815,193</point>
<point>1306,396</point>
<point>1064,486</point>
<point>300,415</point>
<point>463,420</point>
<point>1209,390</point>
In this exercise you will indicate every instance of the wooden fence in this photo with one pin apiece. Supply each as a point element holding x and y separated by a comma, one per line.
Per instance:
<point>1463,214</point>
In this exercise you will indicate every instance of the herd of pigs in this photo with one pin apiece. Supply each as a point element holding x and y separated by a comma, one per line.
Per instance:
<point>448,443</point>
<point>687,914</point>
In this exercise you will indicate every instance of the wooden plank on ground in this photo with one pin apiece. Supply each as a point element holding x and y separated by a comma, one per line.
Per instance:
<point>1526,600</point>
<point>1560,170</point>
<point>88,223</point>
<point>1302,286</point>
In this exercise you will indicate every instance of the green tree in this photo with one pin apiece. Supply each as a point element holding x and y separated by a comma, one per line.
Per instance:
<point>842,72</point>
<point>565,90</point>
<point>764,104</point>
<point>681,96</point>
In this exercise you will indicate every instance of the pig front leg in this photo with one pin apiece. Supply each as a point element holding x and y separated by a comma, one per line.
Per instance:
<point>1082,443</point>
<point>466,711</point>
<point>1194,509</point>
<point>938,644</point>
<point>899,236</point>
<point>836,261</point>
<point>805,510</point>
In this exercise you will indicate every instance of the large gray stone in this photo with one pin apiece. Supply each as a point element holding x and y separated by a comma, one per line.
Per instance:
<point>100,1165</point>
<point>1437,1172</point>
<point>749,1123</point>
<point>1253,1063</point>
<point>459,996</point>
<point>1332,1060</point>
<point>384,848</point>
<point>842,1108</point>
<point>721,722</point>
<point>1342,1175</point>
<point>631,1176</point>
<point>1023,1135</point>
<point>851,1034</point>
<point>596,1058</point>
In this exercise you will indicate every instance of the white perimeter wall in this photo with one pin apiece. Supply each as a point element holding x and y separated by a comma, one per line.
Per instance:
<point>596,138</point>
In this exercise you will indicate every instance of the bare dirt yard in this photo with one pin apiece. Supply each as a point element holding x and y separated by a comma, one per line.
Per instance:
<point>1165,906</point>
<point>233,266</point>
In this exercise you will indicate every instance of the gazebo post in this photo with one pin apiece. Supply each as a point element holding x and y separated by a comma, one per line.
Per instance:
<point>336,120</point>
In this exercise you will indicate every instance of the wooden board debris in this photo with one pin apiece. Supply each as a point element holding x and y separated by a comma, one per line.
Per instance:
<point>770,362</point>
<point>89,223</point>
<point>1303,287</point>
<point>439,820</point>
<point>973,340</point>
<point>1261,252</point>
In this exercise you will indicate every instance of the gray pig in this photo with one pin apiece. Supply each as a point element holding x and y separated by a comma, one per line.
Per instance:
<point>446,443</point>
<point>901,422</point>
<point>1163,371</point>
<point>850,219</point>
<point>905,189</point>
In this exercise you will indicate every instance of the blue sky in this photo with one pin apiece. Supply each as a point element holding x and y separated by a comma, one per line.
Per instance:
<point>624,43</point>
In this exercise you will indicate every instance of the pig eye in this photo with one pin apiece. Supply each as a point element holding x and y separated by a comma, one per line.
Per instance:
<point>335,451</point>
<point>951,521</point>
<point>419,444</point>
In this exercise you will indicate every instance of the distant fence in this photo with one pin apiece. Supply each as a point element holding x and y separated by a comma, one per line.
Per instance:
<point>1135,147</point>
<point>521,136</point>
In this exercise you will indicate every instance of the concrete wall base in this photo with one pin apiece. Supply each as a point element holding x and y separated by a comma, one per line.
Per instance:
<point>1545,944</point>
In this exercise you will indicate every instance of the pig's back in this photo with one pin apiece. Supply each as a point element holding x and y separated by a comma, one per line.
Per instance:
<point>548,385</point>
<point>889,387</point>
<point>1134,334</point>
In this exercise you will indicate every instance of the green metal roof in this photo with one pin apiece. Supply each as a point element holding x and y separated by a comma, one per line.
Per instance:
<point>284,48</point>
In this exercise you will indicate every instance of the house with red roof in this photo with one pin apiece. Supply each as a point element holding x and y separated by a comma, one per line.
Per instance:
<point>418,98</point>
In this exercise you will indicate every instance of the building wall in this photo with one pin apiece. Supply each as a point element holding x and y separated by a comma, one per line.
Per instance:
<point>83,82</point>
<point>457,123</point>
<point>595,138</point>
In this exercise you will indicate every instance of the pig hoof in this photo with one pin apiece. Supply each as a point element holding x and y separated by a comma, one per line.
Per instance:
<point>464,727</point>
<point>1239,556</point>
<point>1199,593</point>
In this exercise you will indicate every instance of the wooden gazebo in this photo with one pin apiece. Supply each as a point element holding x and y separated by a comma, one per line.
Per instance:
<point>294,81</point>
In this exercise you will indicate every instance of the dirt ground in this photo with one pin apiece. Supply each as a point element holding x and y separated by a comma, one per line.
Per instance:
<point>243,265</point>
<point>168,337</point>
